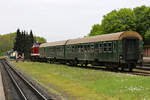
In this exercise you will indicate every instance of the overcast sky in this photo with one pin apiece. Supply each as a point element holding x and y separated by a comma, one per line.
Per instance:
<point>58,19</point>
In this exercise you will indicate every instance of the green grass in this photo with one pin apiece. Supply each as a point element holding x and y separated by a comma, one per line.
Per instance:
<point>87,84</point>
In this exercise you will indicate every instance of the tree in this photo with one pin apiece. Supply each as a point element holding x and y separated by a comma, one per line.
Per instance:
<point>39,39</point>
<point>117,21</point>
<point>142,19</point>
<point>5,44</point>
<point>17,44</point>
<point>31,37</point>
<point>96,30</point>
<point>8,42</point>
<point>27,49</point>
<point>147,37</point>
<point>23,43</point>
<point>125,19</point>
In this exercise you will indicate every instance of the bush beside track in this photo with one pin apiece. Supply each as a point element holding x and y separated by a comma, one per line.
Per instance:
<point>87,84</point>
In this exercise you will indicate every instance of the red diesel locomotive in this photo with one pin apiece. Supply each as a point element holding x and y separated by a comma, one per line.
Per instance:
<point>35,52</point>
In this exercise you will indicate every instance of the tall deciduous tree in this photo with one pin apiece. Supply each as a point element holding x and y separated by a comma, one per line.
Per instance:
<point>137,19</point>
<point>117,21</point>
<point>147,37</point>
<point>96,30</point>
<point>142,19</point>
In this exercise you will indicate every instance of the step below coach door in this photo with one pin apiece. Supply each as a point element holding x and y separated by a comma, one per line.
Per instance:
<point>130,48</point>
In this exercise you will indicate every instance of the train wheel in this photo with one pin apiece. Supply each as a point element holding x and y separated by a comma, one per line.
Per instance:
<point>70,63</point>
<point>75,63</point>
<point>86,64</point>
<point>131,66</point>
<point>115,69</point>
<point>81,64</point>
<point>122,68</point>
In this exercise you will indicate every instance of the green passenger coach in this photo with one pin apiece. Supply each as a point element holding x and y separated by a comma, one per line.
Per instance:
<point>122,49</point>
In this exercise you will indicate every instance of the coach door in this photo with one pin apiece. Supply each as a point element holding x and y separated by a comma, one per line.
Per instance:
<point>130,48</point>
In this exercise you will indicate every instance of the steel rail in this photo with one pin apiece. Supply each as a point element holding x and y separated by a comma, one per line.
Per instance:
<point>40,95</point>
<point>28,83</point>
<point>15,83</point>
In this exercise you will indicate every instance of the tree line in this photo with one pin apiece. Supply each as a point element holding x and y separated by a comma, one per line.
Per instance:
<point>125,19</point>
<point>23,43</point>
<point>7,42</point>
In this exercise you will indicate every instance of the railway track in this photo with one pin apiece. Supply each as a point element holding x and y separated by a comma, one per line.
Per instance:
<point>146,68</point>
<point>138,73</point>
<point>19,87</point>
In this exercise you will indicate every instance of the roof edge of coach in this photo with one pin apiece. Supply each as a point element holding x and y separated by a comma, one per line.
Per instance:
<point>130,34</point>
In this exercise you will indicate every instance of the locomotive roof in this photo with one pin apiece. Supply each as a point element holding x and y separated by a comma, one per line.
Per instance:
<point>53,43</point>
<point>106,37</point>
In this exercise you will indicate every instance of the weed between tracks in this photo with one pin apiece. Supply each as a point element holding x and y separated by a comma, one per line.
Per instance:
<point>88,84</point>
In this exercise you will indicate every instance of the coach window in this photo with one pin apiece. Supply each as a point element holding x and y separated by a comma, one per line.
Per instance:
<point>72,48</point>
<point>105,47</point>
<point>67,47</point>
<point>100,48</point>
<point>114,46</point>
<point>76,47</point>
<point>96,46</point>
<point>110,46</point>
<point>58,49</point>
<point>79,49</point>
<point>82,48</point>
<point>92,48</point>
<point>61,49</point>
<point>87,48</point>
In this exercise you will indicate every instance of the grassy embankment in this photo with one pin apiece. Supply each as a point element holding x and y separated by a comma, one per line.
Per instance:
<point>87,84</point>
